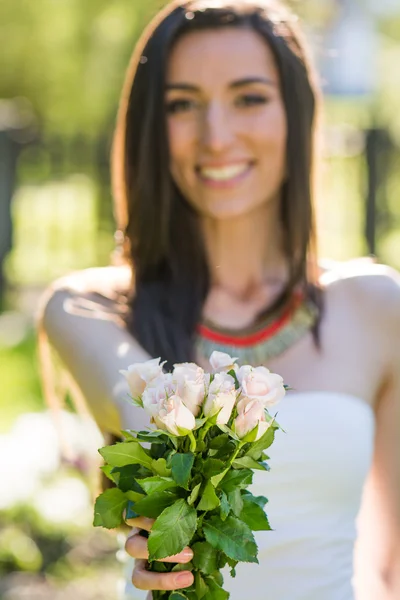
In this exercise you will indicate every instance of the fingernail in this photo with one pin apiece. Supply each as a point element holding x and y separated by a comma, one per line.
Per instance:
<point>186,554</point>
<point>184,579</point>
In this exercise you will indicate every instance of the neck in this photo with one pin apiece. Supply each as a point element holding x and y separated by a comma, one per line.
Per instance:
<point>245,253</point>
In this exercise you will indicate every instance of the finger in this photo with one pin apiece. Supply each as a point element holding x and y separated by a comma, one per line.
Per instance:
<point>146,580</point>
<point>141,523</point>
<point>136,546</point>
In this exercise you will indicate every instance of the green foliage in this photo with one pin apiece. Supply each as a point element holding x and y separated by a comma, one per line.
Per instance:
<point>234,479</point>
<point>157,484</point>
<point>152,506</point>
<point>172,531</point>
<point>109,508</point>
<point>205,557</point>
<point>232,536</point>
<point>181,465</point>
<point>125,453</point>
<point>253,514</point>
<point>209,499</point>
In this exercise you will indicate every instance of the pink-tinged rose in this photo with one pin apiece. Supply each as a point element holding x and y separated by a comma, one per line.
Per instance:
<point>174,417</point>
<point>139,375</point>
<point>221,398</point>
<point>259,383</point>
<point>189,381</point>
<point>250,414</point>
<point>220,361</point>
<point>153,398</point>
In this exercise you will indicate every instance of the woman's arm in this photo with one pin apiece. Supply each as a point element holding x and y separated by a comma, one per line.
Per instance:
<point>378,573</point>
<point>94,347</point>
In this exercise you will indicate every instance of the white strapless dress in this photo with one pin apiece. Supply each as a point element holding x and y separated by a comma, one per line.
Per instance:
<point>318,469</point>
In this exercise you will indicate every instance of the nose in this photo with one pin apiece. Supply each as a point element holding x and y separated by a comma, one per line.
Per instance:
<point>217,129</point>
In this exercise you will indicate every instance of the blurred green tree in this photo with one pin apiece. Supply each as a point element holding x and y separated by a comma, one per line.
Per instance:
<point>68,57</point>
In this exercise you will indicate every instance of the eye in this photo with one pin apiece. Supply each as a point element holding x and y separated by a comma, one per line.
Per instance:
<point>179,105</point>
<point>251,100</point>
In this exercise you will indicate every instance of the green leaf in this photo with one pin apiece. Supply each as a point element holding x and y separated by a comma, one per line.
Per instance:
<point>125,478</point>
<point>205,557</point>
<point>260,500</point>
<point>217,478</point>
<point>246,462</point>
<point>154,437</point>
<point>232,563</point>
<point>216,592</point>
<point>159,466</point>
<point>212,466</point>
<point>194,495</point>
<point>125,453</point>
<point>225,506</point>
<point>209,499</point>
<point>231,433</point>
<point>232,373</point>
<point>152,506</point>
<point>182,567</point>
<point>108,509</point>
<point>172,531</point>
<point>219,441</point>
<point>178,596</point>
<point>254,516</point>
<point>157,484</point>
<point>236,501</point>
<point>236,478</point>
<point>226,452</point>
<point>263,443</point>
<point>134,496</point>
<point>233,537</point>
<point>200,585</point>
<point>107,470</point>
<point>200,423</point>
<point>159,567</point>
<point>181,468</point>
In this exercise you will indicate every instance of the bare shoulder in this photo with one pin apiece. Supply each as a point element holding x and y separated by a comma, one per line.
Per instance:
<point>106,281</point>
<point>79,293</point>
<point>372,287</point>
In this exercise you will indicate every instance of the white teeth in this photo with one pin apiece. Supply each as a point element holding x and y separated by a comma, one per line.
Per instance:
<point>223,173</point>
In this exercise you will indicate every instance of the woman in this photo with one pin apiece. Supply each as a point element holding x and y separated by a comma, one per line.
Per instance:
<point>213,168</point>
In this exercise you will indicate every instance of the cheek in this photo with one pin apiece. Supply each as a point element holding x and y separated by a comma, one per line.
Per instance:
<point>181,138</point>
<point>270,132</point>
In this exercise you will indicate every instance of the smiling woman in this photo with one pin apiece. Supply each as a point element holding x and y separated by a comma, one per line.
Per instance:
<point>226,126</point>
<point>213,181</point>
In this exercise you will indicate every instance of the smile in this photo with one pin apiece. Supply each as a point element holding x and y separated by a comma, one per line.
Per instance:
<point>224,175</point>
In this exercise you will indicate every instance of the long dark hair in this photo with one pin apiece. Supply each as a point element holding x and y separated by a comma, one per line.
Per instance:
<point>161,233</point>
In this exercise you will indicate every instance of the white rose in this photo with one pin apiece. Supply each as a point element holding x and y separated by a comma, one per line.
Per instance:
<point>220,361</point>
<point>190,385</point>
<point>259,383</point>
<point>221,398</point>
<point>250,414</point>
<point>139,375</point>
<point>153,398</point>
<point>173,416</point>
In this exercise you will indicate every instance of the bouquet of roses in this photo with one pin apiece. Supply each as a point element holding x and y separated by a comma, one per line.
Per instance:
<point>192,473</point>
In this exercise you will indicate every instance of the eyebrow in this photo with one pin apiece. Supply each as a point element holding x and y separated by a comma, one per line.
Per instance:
<point>188,87</point>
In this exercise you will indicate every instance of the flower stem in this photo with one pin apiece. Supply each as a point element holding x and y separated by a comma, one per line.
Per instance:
<point>193,442</point>
<point>204,431</point>
<point>238,449</point>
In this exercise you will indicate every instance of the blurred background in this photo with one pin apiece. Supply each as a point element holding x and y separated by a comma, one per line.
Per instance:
<point>60,79</point>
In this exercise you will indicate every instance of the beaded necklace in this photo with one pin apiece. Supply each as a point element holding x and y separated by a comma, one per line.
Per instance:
<point>264,340</point>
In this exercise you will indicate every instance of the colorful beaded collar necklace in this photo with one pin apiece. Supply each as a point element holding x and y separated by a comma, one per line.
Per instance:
<point>264,340</point>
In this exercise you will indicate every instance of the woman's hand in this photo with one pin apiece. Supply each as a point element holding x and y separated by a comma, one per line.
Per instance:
<point>136,546</point>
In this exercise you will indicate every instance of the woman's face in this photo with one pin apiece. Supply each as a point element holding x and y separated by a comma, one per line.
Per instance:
<point>226,121</point>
